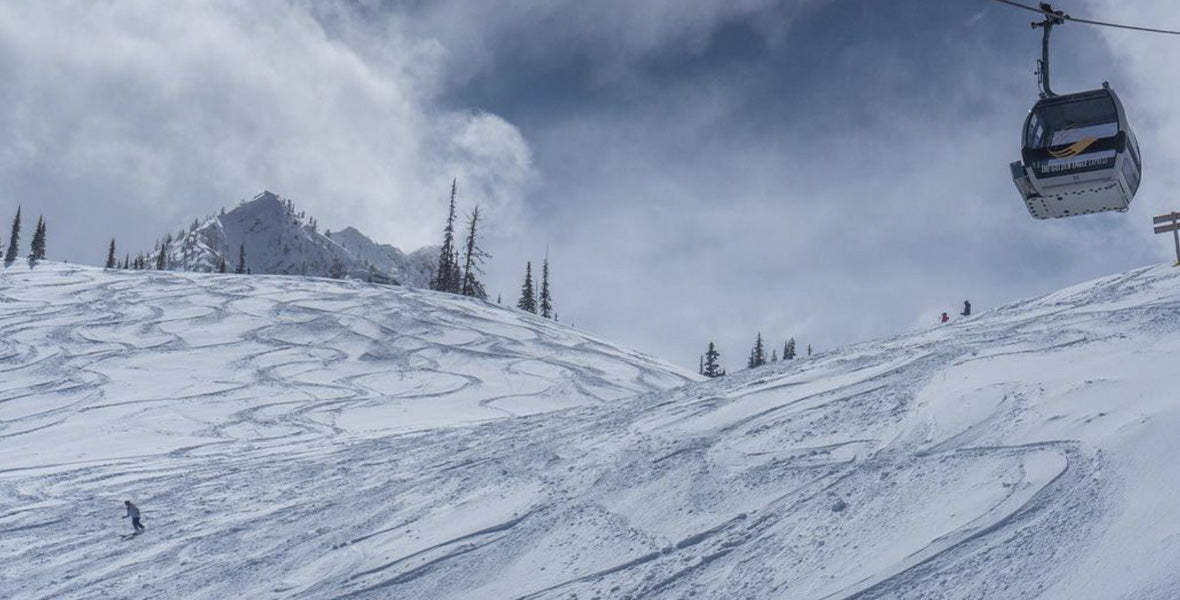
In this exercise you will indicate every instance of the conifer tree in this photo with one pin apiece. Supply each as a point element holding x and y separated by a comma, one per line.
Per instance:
<point>444,276</point>
<point>789,350</point>
<point>162,257</point>
<point>126,261</point>
<point>701,365</point>
<point>112,262</point>
<point>222,267</point>
<point>757,354</point>
<point>528,296</point>
<point>13,241</point>
<point>456,276</point>
<point>546,299</point>
<point>711,367</point>
<point>473,256</point>
<point>37,248</point>
<point>774,356</point>
<point>241,270</point>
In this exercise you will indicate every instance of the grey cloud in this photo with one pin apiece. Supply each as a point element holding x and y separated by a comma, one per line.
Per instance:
<point>853,221</point>
<point>614,35</point>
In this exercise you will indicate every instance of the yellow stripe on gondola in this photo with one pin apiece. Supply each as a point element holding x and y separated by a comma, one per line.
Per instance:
<point>1073,149</point>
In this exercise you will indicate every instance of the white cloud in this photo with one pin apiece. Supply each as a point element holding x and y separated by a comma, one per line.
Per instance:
<point>1147,84</point>
<point>178,108</point>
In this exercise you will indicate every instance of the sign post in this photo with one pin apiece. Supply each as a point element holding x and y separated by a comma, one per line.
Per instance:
<point>1172,221</point>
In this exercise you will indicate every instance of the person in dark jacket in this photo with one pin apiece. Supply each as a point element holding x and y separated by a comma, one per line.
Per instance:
<point>133,512</point>
<point>966,308</point>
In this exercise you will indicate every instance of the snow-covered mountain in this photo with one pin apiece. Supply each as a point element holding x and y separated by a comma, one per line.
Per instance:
<point>280,241</point>
<point>297,438</point>
<point>414,269</point>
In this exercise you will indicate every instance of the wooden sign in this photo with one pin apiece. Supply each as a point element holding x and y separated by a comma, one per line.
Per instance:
<point>1174,227</point>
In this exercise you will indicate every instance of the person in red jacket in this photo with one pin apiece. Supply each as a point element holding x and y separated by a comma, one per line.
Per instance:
<point>944,318</point>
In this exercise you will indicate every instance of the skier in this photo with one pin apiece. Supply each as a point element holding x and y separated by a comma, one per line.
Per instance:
<point>944,318</point>
<point>133,512</point>
<point>966,308</point>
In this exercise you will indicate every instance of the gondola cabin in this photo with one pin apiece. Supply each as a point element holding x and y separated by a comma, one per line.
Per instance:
<point>1079,156</point>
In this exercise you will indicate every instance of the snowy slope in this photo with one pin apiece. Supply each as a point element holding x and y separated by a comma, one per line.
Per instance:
<point>309,439</point>
<point>279,241</point>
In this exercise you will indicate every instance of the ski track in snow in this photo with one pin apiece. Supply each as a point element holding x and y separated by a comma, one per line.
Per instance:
<point>294,438</point>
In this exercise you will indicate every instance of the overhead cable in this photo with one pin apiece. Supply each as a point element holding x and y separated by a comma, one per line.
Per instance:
<point>1086,21</point>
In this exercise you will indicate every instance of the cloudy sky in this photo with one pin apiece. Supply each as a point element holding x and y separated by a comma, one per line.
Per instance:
<point>831,170</point>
